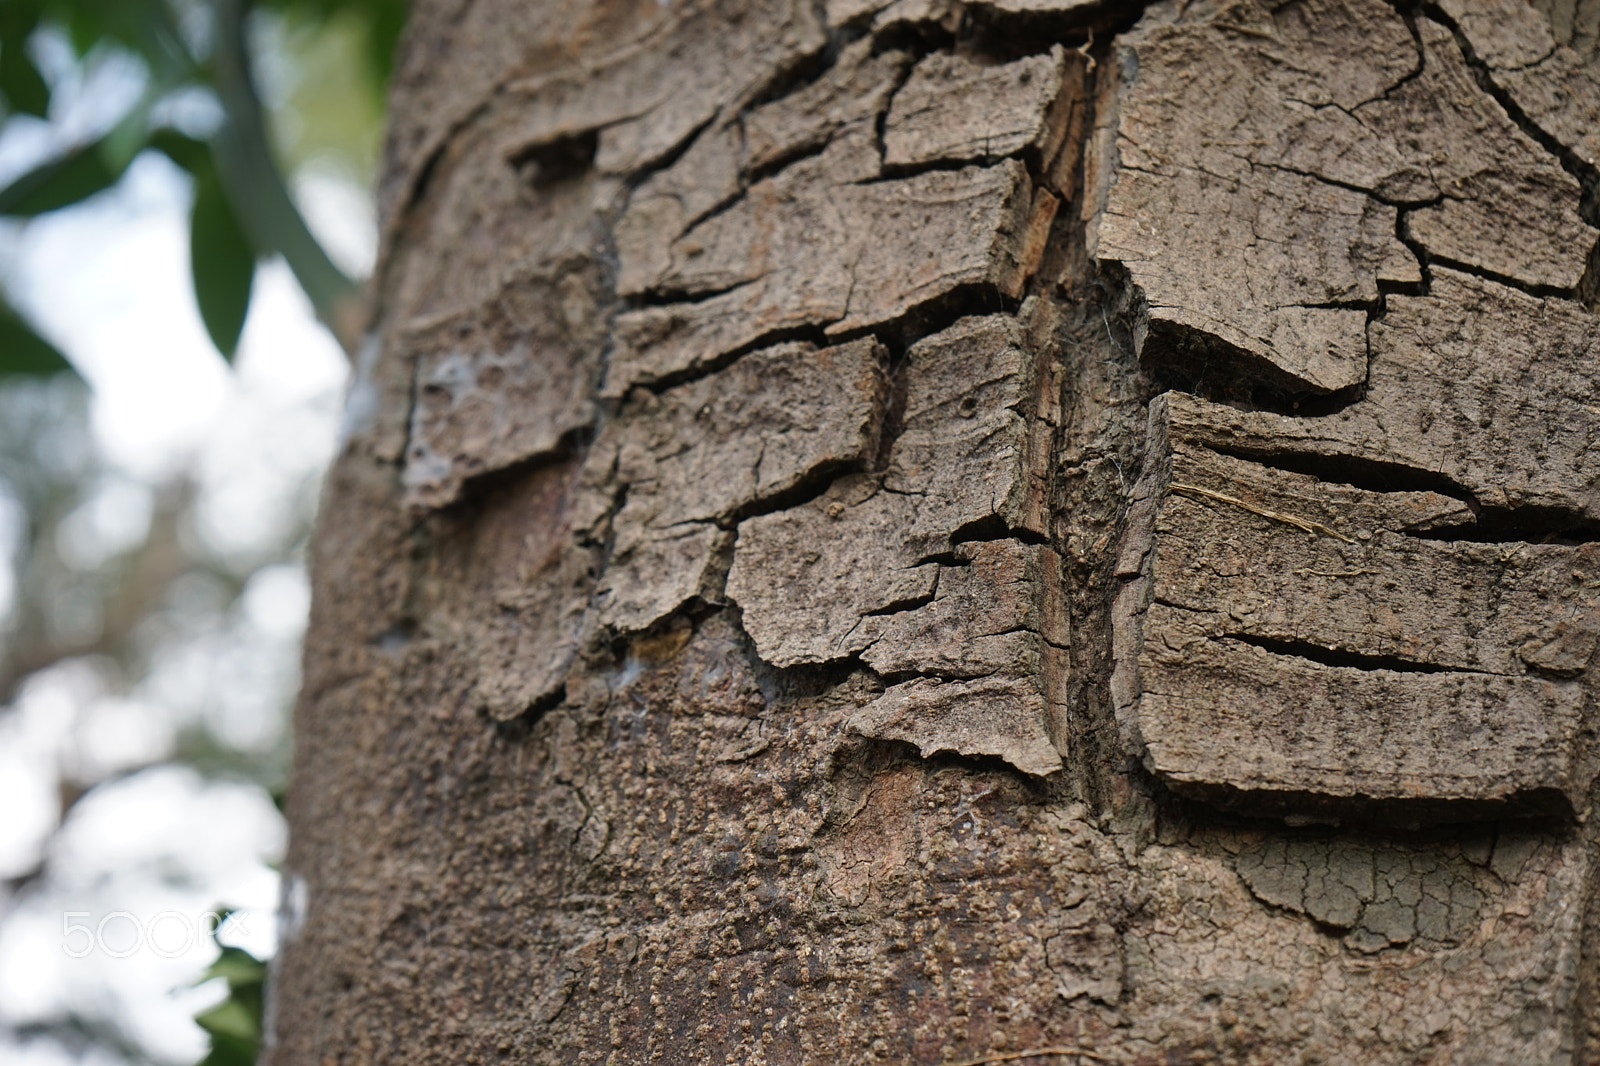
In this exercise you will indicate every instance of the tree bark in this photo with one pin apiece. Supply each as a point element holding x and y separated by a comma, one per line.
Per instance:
<point>924,532</point>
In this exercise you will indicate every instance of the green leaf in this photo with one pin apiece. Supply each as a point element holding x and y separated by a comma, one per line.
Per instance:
<point>145,27</point>
<point>86,26</point>
<point>131,134</point>
<point>230,1051</point>
<point>190,154</point>
<point>230,1018</point>
<point>62,182</point>
<point>234,1024</point>
<point>18,18</point>
<point>223,263</point>
<point>23,353</point>
<point>20,81</point>
<point>238,966</point>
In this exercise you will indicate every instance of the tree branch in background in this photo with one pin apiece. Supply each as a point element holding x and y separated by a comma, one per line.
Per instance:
<point>145,579</point>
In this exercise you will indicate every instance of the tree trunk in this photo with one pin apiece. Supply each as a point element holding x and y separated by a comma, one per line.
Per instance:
<point>927,532</point>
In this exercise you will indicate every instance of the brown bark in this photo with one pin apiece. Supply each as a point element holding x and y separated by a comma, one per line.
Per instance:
<point>922,531</point>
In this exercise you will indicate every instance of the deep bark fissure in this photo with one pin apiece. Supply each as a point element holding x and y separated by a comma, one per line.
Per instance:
<point>1399,204</point>
<point>516,730</point>
<point>1341,658</point>
<point>918,323</point>
<point>892,422</point>
<point>872,753</point>
<point>901,677</point>
<point>901,606</point>
<point>1186,359</point>
<point>1357,472</point>
<point>807,72</point>
<point>700,371</point>
<point>666,296</point>
<point>993,528</point>
<point>1406,9</point>
<point>1530,525</point>
<point>1006,31</point>
<point>1543,811</point>
<point>1097,375</point>
<point>816,482</point>
<point>551,162</point>
<point>570,446</point>
<point>935,315</point>
<point>880,121</point>
<point>1402,233</point>
<point>1558,292</point>
<point>1587,176</point>
<point>1490,525</point>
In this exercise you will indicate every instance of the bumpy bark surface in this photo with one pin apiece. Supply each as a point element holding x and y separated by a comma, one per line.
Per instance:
<point>923,531</point>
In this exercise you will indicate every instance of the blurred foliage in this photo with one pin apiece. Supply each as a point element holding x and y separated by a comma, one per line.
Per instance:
<point>241,95</point>
<point>24,352</point>
<point>342,50</point>
<point>234,1024</point>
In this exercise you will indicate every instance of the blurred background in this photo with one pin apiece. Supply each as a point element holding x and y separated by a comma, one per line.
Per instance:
<point>186,219</point>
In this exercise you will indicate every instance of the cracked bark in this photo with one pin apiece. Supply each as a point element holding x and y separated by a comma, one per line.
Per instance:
<point>919,531</point>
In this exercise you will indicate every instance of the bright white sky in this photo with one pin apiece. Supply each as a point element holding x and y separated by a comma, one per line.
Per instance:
<point>109,282</point>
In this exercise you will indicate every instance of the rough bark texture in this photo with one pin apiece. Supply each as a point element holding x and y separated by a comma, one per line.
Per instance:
<point>922,531</point>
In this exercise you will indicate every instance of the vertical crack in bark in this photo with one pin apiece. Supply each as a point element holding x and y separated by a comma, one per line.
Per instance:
<point>1104,390</point>
<point>1586,174</point>
<point>1588,288</point>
